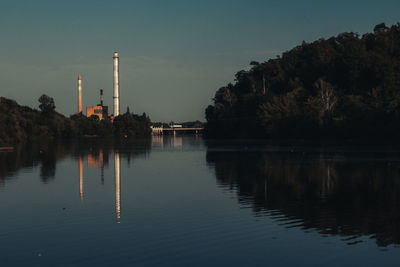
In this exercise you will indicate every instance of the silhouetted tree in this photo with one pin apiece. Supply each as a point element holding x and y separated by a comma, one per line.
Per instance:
<point>342,87</point>
<point>47,104</point>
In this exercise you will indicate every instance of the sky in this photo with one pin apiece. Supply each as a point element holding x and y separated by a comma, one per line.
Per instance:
<point>174,54</point>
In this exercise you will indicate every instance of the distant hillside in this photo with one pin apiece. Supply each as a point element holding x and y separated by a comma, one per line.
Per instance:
<point>24,124</point>
<point>21,123</point>
<point>347,86</point>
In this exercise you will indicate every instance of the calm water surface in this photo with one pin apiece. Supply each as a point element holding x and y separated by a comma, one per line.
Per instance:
<point>186,202</point>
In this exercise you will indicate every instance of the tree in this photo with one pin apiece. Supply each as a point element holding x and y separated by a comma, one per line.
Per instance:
<point>327,99</point>
<point>340,87</point>
<point>380,28</point>
<point>94,118</point>
<point>47,104</point>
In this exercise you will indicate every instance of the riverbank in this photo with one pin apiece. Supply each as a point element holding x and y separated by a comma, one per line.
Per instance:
<point>346,87</point>
<point>19,124</point>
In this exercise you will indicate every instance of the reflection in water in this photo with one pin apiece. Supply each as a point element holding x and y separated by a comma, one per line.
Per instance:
<point>98,159</point>
<point>157,141</point>
<point>96,151</point>
<point>347,194</point>
<point>31,155</point>
<point>350,194</point>
<point>177,215</point>
<point>176,141</point>
<point>117,170</point>
<point>81,176</point>
<point>48,166</point>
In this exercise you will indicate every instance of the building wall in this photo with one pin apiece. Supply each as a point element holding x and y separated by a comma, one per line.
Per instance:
<point>100,111</point>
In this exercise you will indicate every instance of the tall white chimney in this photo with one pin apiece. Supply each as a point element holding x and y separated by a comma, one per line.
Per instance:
<point>116,84</point>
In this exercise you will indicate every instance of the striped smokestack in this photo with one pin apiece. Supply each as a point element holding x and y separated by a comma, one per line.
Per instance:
<point>79,94</point>
<point>116,84</point>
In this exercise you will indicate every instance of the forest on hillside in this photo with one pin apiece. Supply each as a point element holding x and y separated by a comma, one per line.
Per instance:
<point>344,87</point>
<point>24,124</point>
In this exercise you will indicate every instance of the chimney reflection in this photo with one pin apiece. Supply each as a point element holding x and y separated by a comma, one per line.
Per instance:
<point>98,161</point>
<point>81,176</point>
<point>117,169</point>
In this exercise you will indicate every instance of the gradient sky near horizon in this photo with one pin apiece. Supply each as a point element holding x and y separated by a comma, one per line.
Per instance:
<point>174,54</point>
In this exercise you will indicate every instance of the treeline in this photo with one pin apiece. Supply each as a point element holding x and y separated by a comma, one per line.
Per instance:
<point>24,124</point>
<point>344,87</point>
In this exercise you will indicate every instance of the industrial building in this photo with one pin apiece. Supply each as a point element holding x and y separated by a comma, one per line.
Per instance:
<point>100,110</point>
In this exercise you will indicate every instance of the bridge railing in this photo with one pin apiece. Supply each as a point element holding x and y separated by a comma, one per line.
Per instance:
<point>161,130</point>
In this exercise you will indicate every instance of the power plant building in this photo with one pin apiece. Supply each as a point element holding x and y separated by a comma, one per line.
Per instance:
<point>101,111</point>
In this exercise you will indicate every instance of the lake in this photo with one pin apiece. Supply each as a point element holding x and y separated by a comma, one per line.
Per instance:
<point>184,201</point>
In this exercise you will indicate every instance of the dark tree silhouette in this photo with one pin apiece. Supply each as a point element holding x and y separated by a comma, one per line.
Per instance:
<point>47,104</point>
<point>344,87</point>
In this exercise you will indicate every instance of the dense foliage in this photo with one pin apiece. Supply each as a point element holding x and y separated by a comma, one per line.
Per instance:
<point>347,87</point>
<point>130,124</point>
<point>21,123</point>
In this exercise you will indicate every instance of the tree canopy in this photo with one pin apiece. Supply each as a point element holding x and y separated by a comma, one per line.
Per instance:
<point>47,104</point>
<point>24,124</point>
<point>343,87</point>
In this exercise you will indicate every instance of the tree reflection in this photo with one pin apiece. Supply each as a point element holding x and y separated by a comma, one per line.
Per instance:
<point>334,193</point>
<point>45,155</point>
<point>48,161</point>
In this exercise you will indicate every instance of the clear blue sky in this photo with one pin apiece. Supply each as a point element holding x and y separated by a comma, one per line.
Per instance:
<point>174,54</point>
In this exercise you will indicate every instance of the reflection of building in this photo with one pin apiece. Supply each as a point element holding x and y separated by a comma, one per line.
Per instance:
<point>157,141</point>
<point>117,166</point>
<point>98,161</point>
<point>95,162</point>
<point>176,141</point>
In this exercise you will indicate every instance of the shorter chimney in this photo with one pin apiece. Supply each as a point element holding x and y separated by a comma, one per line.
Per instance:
<point>79,94</point>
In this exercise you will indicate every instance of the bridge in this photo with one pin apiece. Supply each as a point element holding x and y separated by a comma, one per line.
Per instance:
<point>175,130</point>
